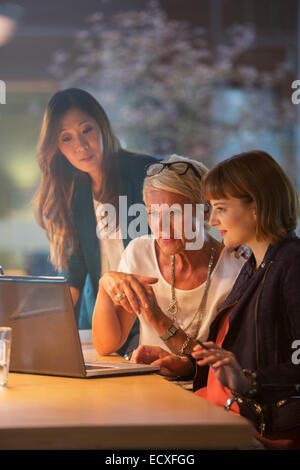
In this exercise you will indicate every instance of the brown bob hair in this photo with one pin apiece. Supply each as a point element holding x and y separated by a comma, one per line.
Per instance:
<point>256,177</point>
<point>52,201</point>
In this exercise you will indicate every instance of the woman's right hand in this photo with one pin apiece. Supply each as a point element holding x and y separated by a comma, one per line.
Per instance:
<point>146,354</point>
<point>175,366</point>
<point>171,365</point>
<point>131,287</point>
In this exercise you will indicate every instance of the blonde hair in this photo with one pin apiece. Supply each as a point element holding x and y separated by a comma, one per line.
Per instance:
<point>256,177</point>
<point>53,200</point>
<point>188,185</point>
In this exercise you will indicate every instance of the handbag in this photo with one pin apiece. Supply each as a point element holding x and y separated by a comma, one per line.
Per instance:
<point>269,418</point>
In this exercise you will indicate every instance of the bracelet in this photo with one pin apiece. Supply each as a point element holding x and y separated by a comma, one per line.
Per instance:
<point>247,396</point>
<point>184,346</point>
<point>251,375</point>
<point>170,332</point>
<point>253,385</point>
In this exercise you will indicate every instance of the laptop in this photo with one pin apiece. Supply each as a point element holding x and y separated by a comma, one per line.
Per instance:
<point>45,336</point>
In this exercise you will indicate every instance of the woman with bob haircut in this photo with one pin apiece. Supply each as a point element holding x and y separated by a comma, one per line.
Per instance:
<point>174,280</point>
<point>83,167</point>
<point>250,364</point>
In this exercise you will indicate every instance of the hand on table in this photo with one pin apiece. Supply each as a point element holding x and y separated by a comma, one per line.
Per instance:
<point>175,366</point>
<point>146,354</point>
<point>171,365</point>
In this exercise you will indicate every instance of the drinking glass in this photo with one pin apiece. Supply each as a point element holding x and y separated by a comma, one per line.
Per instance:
<point>5,343</point>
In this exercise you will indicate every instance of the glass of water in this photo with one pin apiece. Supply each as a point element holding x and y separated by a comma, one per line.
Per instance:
<point>5,343</point>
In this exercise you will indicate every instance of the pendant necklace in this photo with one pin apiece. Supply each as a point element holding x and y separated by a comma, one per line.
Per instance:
<point>200,312</point>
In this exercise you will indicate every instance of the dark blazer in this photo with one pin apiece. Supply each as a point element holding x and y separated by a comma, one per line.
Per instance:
<point>85,263</point>
<point>265,321</point>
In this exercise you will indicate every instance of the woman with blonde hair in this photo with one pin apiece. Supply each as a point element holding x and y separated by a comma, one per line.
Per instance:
<point>83,167</point>
<point>173,281</point>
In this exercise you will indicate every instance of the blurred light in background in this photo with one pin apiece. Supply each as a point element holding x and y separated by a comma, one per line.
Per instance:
<point>10,14</point>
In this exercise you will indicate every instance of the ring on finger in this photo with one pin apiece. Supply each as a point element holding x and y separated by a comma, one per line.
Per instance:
<point>119,296</point>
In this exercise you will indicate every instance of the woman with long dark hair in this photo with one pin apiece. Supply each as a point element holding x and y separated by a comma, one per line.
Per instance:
<point>83,166</point>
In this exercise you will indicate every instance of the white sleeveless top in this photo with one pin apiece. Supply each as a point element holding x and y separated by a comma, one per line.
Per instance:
<point>140,258</point>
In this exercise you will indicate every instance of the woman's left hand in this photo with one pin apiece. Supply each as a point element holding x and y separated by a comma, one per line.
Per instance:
<point>224,365</point>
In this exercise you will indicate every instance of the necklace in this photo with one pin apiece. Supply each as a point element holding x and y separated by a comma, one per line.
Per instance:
<point>200,312</point>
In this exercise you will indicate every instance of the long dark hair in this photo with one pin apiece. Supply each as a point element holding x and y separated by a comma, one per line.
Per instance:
<point>52,202</point>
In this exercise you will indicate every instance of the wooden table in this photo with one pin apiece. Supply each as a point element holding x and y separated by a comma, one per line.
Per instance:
<point>132,412</point>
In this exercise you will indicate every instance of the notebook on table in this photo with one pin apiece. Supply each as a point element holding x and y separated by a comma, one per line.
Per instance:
<point>45,336</point>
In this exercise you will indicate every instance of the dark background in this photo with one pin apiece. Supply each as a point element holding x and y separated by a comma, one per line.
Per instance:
<point>43,27</point>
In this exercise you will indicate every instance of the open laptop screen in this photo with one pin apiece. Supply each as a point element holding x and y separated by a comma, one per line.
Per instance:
<point>45,337</point>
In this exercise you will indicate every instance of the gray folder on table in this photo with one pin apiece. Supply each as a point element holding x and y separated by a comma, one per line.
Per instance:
<point>45,337</point>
